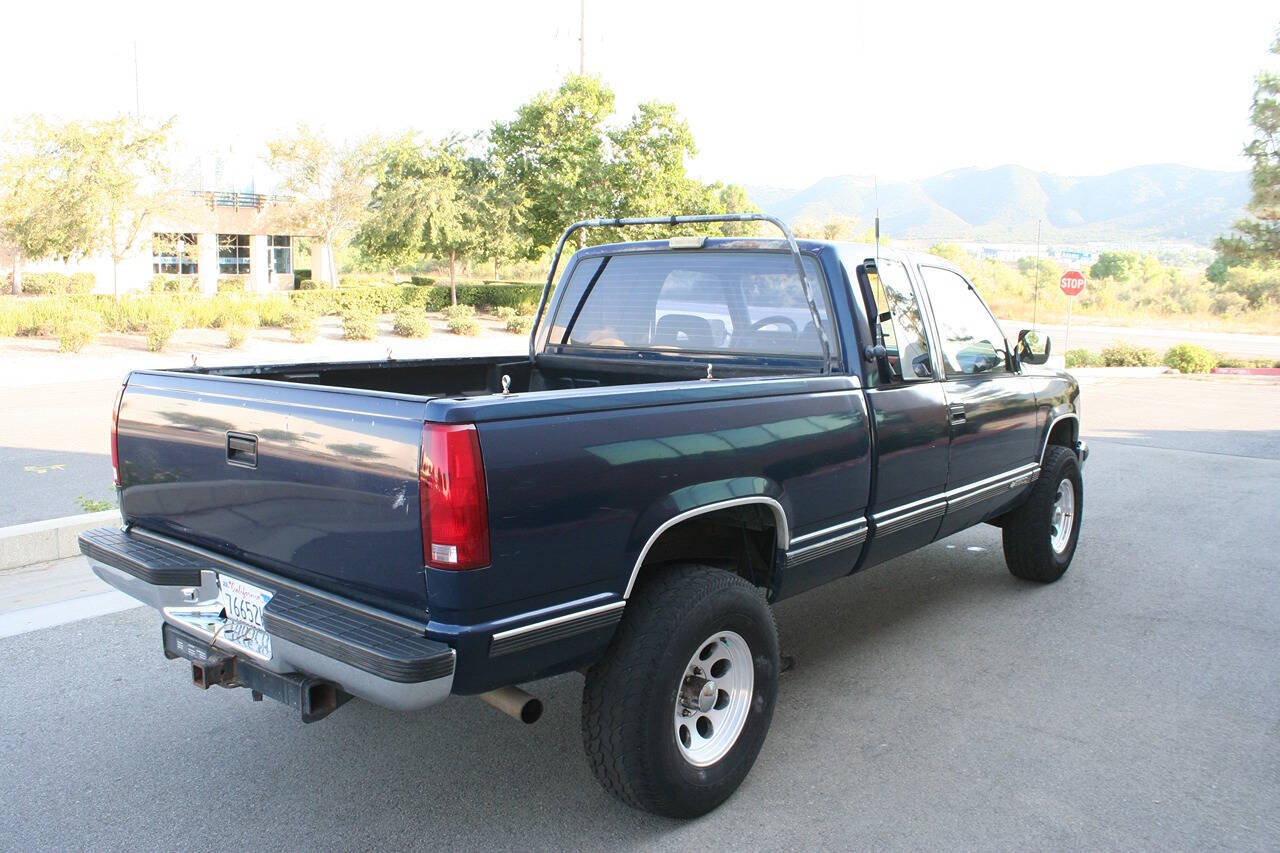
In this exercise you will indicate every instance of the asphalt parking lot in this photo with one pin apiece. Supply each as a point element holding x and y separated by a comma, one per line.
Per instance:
<point>936,702</point>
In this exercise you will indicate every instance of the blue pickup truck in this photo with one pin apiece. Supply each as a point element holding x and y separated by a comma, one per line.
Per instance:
<point>702,426</point>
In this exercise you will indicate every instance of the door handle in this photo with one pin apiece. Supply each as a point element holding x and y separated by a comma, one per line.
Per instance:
<point>242,449</point>
<point>956,411</point>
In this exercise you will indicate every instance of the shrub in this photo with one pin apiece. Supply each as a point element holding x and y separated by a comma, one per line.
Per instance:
<point>174,284</point>
<point>303,325</point>
<point>77,330</point>
<point>236,336</point>
<point>363,279</point>
<point>504,313</point>
<point>520,324</point>
<point>301,274</point>
<point>232,283</point>
<point>1189,358</point>
<point>81,283</point>
<point>464,325</point>
<point>359,324</point>
<point>45,283</point>
<point>1124,354</point>
<point>1082,358</point>
<point>271,311</point>
<point>411,323</point>
<point>460,312</point>
<point>306,284</point>
<point>422,280</point>
<point>159,332</point>
<point>1219,360</point>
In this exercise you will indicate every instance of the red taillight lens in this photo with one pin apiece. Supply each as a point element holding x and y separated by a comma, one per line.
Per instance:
<point>115,436</point>
<point>451,488</point>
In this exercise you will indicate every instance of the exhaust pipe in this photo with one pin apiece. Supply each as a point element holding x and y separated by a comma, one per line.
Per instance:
<point>515,703</point>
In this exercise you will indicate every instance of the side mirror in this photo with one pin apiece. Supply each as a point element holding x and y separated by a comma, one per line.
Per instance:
<point>1032,348</point>
<point>921,367</point>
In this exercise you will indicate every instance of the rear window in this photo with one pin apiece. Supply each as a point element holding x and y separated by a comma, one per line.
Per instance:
<point>729,302</point>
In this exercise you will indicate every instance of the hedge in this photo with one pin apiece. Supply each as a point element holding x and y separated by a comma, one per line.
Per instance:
<point>1189,358</point>
<point>232,283</point>
<point>174,284</point>
<point>51,283</point>
<point>422,280</point>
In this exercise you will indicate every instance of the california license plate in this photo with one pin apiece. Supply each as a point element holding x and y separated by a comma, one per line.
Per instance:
<point>243,603</point>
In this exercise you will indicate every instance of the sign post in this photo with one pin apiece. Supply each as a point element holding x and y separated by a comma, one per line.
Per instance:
<point>1072,284</point>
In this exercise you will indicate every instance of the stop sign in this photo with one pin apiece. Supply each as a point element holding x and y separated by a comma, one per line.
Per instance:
<point>1072,282</point>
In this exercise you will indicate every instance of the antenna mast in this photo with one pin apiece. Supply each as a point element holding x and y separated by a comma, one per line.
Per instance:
<point>137,92</point>
<point>582,36</point>
<point>1035,305</point>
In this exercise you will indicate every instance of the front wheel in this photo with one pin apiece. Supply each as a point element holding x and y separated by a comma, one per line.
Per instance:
<point>1040,536</point>
<point>676,711</point>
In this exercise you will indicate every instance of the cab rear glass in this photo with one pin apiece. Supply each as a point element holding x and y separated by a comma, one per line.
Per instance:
<point>715,302</point>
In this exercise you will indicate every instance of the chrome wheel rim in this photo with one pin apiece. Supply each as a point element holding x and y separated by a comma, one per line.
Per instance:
<point>713,698</point>
<point>1063,518</point>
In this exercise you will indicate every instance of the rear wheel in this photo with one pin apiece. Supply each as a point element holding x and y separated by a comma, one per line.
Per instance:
<point>1040,536</point>
<point>675,713</point>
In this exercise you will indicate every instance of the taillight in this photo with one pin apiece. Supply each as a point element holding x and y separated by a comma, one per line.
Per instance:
<point>451,488</point>
<point>115,436</point>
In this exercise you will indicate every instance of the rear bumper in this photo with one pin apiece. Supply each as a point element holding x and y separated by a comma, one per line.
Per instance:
<point>378,659</point>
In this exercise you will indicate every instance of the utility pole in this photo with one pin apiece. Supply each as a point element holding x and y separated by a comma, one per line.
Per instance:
<point>582,36</point>
<point>137,96</point>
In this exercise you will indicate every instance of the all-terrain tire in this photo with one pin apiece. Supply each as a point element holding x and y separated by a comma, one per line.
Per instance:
<point>629,711</point>
<point>1029,531</point>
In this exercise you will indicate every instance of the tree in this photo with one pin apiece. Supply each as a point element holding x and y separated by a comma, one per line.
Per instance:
<point>330,185</point>
<point>1117,265</point>
<point>1257,237</point>
<point>45,210</point>
<point>499,208</point>
<point>129,185</point>
<point>555,150</point>
<point>423,204</point>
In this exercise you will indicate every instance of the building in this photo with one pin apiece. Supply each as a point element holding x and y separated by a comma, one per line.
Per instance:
<point>210,237</point>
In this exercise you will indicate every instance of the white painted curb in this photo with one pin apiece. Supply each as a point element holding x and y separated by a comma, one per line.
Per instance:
<point>43,541</point>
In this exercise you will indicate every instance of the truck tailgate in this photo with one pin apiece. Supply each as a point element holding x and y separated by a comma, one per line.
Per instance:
<point>318,484</point>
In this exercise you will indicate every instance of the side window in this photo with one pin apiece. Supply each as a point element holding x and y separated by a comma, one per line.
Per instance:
<point>972,342</point>
<point>903,327</point>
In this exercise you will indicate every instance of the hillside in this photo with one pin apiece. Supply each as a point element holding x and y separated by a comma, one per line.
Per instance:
<point>1149,203</point>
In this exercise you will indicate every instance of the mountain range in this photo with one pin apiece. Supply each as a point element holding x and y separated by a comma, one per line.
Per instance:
<point>1153,203</point>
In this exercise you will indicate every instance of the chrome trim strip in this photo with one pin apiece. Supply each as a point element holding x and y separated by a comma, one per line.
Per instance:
<point>783,535</point>
<point>547,623</point>
<point>911,519</point>
<point>988,482</point>
<point>818,534</point>
<point>823,549</point>
<point>1044,446</point>
<point>895,515</point>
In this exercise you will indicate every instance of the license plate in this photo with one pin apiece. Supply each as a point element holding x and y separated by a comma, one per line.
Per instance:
<point>243,604</point>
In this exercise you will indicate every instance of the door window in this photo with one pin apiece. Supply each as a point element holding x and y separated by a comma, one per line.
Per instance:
<point>902,330</point>
<point>972,342</point>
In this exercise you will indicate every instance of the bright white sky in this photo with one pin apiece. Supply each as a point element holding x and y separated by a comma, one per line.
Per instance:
<point>780,93</point>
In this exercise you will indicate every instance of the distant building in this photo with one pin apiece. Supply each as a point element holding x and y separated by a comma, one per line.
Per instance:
<point>217,236</point>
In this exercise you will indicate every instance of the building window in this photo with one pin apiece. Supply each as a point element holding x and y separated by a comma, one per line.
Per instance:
<point>233,254</point>
<point>281,252</point>
<point>174,254</point>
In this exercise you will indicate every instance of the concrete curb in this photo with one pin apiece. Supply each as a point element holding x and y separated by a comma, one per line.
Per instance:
<point>1095,372</point>
<point>44,541</point>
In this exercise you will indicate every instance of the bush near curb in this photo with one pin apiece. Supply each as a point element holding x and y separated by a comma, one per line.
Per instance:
<point>1124,354</point>
<point>411,322</point>
<point>1189,358</point>
<point>463,325</point>
<point>1082,358</point>
<point>520,325</point>
<point>303,325</point>
<point>359,324</point>
<point>159,333</point>
<point>77,331</point>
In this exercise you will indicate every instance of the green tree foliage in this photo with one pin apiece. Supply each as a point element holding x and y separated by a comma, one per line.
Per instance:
<point>555,148</point>
<point>1257,237</point>
<point>1115,265</point>
<point>426,203</point>
<point>330,186</point>
<point>70,189</point>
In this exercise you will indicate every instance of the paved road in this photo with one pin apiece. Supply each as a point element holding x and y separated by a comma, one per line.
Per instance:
<point>935,703</point>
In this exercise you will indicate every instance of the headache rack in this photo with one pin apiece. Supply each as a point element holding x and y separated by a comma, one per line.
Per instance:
<point>827,366</point>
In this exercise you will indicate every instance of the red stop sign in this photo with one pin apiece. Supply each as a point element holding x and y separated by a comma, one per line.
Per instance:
<point>1072,282</point>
